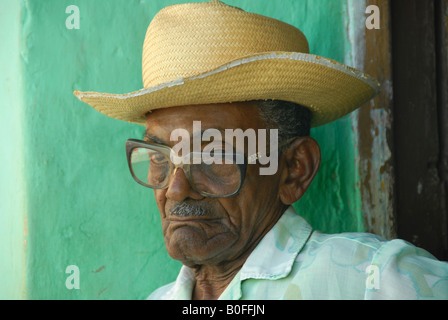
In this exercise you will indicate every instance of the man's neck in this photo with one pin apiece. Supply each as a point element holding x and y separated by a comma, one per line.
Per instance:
<point>212,281</point>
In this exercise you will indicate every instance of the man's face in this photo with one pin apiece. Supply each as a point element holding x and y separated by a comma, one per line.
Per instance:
<point>227,228</point>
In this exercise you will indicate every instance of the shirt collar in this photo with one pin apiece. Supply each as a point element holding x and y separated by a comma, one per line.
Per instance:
<point>272,259</point>
<point>274,256</point>
<point>183,287</point>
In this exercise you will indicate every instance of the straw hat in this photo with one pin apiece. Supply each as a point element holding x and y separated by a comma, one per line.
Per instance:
<point>210,52</point>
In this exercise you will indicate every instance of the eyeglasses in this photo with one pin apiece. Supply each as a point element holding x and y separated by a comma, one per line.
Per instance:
<point>152,166</point>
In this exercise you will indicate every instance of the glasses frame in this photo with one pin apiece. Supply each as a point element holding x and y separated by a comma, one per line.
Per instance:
<point>132,144</point>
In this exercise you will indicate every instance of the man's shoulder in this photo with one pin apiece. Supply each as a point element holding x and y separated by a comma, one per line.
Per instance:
<point>161,293</point>
<point>383,269</point>
<point>353,245</point>
<point>333,255</point>
<point>348,239</point>
<point>367,247</point>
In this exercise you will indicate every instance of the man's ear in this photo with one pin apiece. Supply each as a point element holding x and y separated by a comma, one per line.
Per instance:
<point>302,161</point>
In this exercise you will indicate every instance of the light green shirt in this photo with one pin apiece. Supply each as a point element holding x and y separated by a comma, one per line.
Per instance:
<point>294,262</point>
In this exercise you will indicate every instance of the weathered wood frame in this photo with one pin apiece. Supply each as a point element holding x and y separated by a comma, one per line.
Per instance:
<point>402,135</point>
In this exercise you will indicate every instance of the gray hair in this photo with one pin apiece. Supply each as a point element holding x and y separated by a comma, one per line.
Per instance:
<point>291,119</point>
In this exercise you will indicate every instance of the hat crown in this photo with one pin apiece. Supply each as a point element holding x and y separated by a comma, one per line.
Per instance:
<point>190,39</point>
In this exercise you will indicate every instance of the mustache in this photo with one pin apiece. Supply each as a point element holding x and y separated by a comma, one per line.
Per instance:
<point>190,209</point>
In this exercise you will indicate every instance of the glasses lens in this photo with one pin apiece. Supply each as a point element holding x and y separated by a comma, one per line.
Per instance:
<point>217,178</point>
<point>150,167</point>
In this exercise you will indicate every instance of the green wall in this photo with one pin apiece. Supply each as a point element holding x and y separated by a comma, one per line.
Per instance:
<point>67,197</point>
<point>12,173</point>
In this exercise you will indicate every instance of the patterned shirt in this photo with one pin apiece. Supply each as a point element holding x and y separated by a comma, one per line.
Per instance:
<point>294,262</point>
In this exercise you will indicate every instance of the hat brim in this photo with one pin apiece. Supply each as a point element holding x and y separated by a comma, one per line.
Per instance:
<point>328,88</point>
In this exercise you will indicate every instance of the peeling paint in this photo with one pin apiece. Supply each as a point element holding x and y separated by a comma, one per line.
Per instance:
<point>99,269</point>
<point>372,123</point>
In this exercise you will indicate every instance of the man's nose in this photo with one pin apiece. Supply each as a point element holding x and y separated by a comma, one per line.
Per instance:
<point>180,189</point>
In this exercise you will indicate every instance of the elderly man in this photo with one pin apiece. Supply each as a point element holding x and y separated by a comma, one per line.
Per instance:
<point>216,77</point>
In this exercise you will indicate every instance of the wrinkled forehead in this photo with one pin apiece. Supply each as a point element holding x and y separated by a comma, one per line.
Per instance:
<point>161,123</point>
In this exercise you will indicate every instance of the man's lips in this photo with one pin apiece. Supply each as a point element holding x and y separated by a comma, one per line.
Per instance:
<point>194,222</point>
<point>191,219</point>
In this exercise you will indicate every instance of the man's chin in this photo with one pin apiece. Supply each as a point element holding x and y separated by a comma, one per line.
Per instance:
<point>192,245</point>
